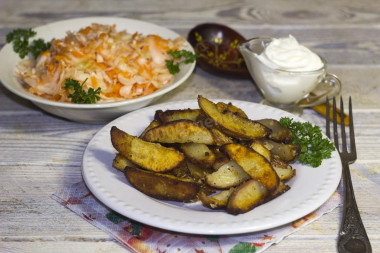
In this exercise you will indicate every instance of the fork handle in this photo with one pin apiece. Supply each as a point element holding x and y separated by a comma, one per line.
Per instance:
<point>352,234</point>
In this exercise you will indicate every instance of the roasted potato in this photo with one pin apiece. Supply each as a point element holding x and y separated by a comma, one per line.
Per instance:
<point>220,138</point>
<point>223,107</point>
<point>228,175</point>
<point>162,186</point>
<point>181,171</point>
<point>259,147</point>
<point>216,201</point>
<point>198,172</point>
<point>278,133</point>
<point>172,115</point>
<point>120,162</point>
<point>232,124</point>
<point>254,164</point>
<point>151,125</point>
<point>246,196</point>
<point>282,188</point>
<point>220,161</point>
<point>281,151</point>
<point>198,153</point>
<point>180,131</point>
<point>283,170</point>
<point>151,156</point>
<point>214,154</point>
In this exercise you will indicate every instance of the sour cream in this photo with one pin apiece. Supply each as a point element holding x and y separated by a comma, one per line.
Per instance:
<point>284,70</point>
<point>288,54</point>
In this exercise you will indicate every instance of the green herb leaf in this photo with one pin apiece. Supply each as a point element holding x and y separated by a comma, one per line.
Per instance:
<point>39,46</point>
<point>314,148</point>
<point>20,38</point>
<point>80,96</point>
<point>179,57</point>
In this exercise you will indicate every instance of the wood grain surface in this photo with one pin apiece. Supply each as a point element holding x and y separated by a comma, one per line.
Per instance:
<point>40,152</point>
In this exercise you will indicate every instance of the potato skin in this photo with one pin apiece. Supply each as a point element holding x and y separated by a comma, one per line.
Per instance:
<point>162,186</point>
<point>278,133</point>
<point>151,156</point>
<point>246,197</point>
<point>172,115</point>
<point>180,131</point>
<point>216,201</point>
<point>231,123</point>
<point>253,163</point>
<point>120,162</point>
<point>285,152</point>
<point>222,107</point>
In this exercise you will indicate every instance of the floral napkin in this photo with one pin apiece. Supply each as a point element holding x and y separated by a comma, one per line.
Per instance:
<point>138,237</point>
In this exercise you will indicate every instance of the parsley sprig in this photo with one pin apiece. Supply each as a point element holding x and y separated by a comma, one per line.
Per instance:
<point>80,96</point>
<point>314,148</point>
<point>179,57</point>
<point>20,38</point>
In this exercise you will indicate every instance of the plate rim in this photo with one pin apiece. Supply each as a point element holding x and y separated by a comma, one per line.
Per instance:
<point>11,86</point>
<point>173,225</point>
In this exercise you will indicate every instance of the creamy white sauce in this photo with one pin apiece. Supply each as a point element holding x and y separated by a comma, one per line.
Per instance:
<point>288,54</point>
<point>286,71</point>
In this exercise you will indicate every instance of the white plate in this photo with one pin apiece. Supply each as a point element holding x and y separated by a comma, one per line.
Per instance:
<point>89,113</point>
<point>310,188</point>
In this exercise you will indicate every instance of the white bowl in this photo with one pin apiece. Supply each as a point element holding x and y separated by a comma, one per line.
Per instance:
<point>89,113</point>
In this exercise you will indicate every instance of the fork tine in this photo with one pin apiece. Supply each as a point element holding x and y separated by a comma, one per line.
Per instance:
<point>335,125</point>
<point>352,134</point>
<point>342,128</point>
<point>327,117</point>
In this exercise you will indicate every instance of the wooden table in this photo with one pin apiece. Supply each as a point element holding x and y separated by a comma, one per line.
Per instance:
<point>40,152</point>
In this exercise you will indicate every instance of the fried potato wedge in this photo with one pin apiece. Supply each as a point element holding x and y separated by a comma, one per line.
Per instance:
<point>172,115</point>
<point>198,172</point>
<point>278,133</point>
<point>284,152</point>
<point>223,107</point>
<point>282,188</point>
<point>181,171</point>
<point>254,164</point>
<point>151,156</point>
<point>220,138</point>
<point>246,196</point>
<point>198,153</point>
<point>216,201</point>
<point>220,161</point>
<point>228,175</point>
<point>232,124</point>
<point>162,186</point>
<point>151,125</point>
<point>283,170</point>
<point>180,131</point>
<point>259,147</point>
<point>120,162</point>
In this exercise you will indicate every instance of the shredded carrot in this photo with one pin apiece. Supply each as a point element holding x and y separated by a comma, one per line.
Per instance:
<point>94,82</point>
<point>77,53</point>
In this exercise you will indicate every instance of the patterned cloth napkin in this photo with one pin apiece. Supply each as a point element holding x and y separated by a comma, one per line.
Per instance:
<point>141,238</point>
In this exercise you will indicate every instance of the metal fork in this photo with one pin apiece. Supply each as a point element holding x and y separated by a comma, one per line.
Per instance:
<point>352,235</point>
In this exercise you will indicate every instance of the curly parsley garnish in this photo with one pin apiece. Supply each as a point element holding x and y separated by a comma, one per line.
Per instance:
<point>314,148</point>
<point>80,96</point>
<point>179,57</point>
<point>20,38</point>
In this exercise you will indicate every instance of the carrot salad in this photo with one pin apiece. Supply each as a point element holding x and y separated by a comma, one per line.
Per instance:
<point>123,65</point>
